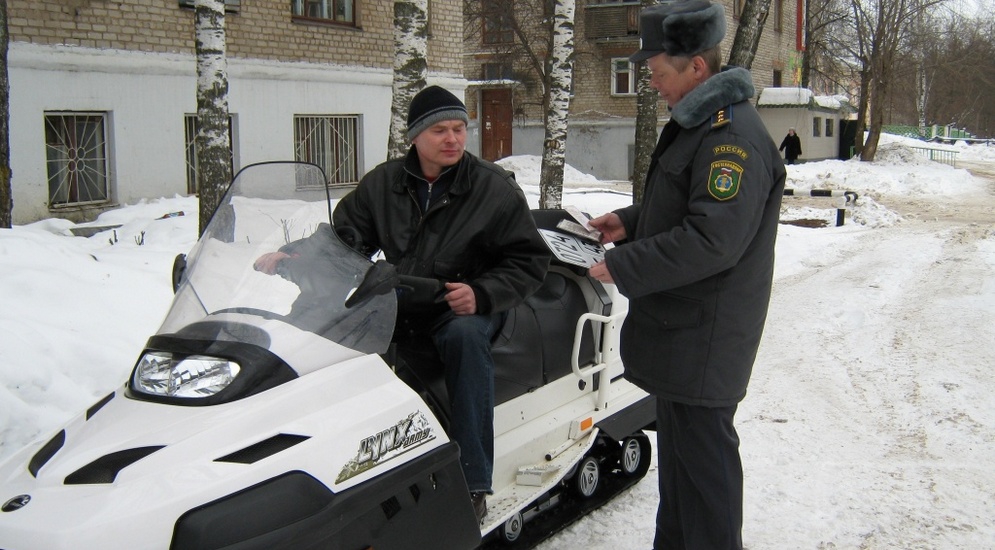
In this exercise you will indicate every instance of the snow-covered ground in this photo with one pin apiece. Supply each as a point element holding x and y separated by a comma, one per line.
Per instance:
<point>869,421</point>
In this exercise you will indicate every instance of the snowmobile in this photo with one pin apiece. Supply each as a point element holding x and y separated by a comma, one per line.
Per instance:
<point>272,411</point>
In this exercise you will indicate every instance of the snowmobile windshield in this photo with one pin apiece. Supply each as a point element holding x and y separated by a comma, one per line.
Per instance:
<point>278,208</point>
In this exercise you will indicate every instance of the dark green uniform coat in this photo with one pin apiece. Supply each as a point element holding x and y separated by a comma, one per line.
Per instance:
<point>698,262</point>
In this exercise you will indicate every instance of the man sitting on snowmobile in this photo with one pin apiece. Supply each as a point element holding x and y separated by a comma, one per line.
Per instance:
<point>443,213</point>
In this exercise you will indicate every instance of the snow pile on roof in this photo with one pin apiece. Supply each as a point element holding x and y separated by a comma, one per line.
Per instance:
<point>801,97</point>
<point>835,102</point>
<point>785,96</point>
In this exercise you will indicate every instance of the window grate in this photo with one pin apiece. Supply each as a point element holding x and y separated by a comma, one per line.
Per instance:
<point>76,154</point>
<point>331,143</point>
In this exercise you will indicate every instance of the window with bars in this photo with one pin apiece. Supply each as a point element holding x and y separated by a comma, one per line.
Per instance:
<point>76,157</point>
<point>190,128</point>
<point>331,142</point>
<point>335,11</point>
<point>623,77</point>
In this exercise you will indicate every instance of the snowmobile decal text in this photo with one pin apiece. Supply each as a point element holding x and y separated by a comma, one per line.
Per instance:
<point>398,439</point>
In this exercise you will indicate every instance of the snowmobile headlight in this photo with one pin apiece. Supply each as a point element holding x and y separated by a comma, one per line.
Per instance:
<point>163,374</point>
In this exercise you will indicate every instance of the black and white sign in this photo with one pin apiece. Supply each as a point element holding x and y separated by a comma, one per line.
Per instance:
<point>573,250</point>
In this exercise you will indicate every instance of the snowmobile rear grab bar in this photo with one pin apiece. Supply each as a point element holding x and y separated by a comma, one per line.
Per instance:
<point>599,355</point>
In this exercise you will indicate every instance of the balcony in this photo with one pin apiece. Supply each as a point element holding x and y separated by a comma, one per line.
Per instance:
<point>611,21</point>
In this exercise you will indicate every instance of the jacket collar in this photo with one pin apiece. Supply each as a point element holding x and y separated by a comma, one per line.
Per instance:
<point>457,175</point>
<point>732,85</point>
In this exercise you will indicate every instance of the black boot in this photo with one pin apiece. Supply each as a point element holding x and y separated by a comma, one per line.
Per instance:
<point>479,501</point>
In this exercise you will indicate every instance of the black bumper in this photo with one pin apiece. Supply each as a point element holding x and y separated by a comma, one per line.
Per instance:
<point>421,504</point>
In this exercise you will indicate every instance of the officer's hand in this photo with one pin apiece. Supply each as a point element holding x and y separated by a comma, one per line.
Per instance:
<point>600,272</point>
<point>610,226</point>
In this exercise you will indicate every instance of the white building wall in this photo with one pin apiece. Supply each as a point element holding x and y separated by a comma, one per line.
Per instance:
<point>779,119</point>
<point>147,95</point>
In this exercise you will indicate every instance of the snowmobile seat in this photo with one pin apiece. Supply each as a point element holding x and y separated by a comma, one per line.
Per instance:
<point>532,348</point>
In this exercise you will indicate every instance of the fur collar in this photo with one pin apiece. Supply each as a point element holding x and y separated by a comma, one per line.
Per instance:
<point>732,85</point>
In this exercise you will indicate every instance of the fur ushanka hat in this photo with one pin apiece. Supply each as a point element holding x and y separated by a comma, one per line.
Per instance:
<point>681,28</point>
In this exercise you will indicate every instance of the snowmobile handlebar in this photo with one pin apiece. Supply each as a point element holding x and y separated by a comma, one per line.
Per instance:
<point>412,292</point>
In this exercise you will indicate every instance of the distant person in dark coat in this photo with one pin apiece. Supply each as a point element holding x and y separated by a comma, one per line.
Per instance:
<point>792,146</point>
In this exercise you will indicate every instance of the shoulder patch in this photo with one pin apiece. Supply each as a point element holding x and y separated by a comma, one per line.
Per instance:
<point>722,117</point>
<point>730,149</point>
<point>724,179</point>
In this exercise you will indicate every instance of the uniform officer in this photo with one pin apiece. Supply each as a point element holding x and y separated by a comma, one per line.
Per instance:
<point>696,261</point>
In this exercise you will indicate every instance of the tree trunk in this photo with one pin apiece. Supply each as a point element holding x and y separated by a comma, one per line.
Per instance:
<point>862,104</point>
<point>647,114</point>
<point>410,68</point>
<point>6,193</point>
<point>751,26</point>
<point>212,142</point>
<point>560,75</point>
<point>807,54</point>
<point>876,107</point>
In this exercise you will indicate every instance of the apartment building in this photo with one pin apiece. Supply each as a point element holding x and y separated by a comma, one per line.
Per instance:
<point>103,93</point>
<point>504,96</point>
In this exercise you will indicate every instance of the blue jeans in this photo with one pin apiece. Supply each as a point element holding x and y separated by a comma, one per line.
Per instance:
<point>464,345</point>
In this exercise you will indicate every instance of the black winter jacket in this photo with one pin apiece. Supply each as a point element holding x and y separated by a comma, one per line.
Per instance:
<point>698,262</point>
<point>480,231</point>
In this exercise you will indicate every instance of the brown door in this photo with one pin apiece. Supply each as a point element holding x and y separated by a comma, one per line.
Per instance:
<point>495,140</point>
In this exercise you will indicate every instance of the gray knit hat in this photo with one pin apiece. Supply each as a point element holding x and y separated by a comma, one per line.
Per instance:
<point>680,28</point>
<point>431,106</point>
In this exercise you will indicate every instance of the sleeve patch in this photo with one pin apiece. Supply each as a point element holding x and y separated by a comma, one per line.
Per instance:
<point>724,179</point>
<point>730,149</point>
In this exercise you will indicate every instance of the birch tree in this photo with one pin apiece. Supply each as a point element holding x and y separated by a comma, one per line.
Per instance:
<point>212,140</point>
<point>882,27</point>
<point>521,35</point>
<point>748,32</point>
<point>410,67</point>
<point>647,115</point>
<point>558,105</point>
<point>6,198</point>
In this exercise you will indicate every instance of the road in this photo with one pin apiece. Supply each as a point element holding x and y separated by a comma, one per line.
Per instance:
<point>869,421</point>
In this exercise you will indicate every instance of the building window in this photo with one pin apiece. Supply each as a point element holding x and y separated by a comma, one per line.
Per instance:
<point>497,71</point>
<point>623,77</point>
<point>776,81</point>
<point>76,154</point>
<point>817,126</point>
<point>778,9</point>
<point>334,11</point>
<point>737,8</point>
<point>497,21</point>
<point>331,142</point>
<point>231,6</point>
<point>829,127</point>
<point>190,128</point>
